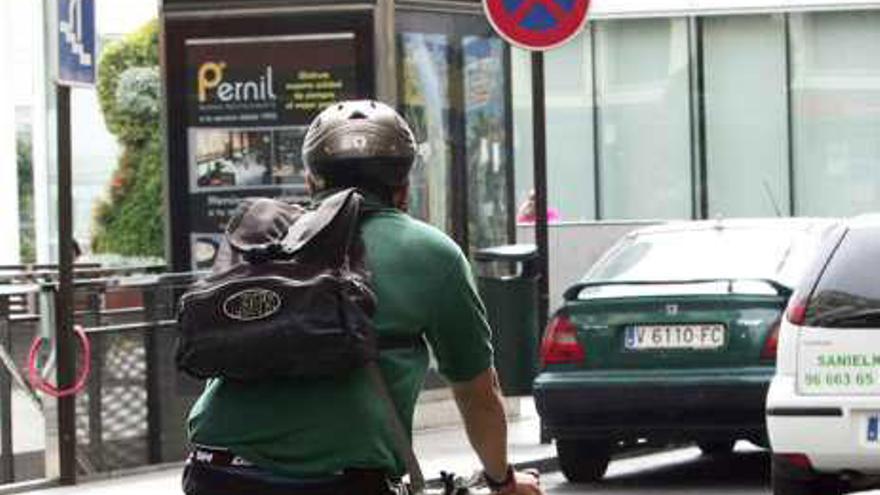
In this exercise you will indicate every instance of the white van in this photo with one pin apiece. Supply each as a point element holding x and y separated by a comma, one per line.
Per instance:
<point>823,407</point>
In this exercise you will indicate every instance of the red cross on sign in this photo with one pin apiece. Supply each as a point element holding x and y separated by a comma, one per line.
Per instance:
<point>537,24</point>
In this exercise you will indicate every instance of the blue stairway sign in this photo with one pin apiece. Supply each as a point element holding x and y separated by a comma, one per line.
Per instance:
<point>76,42</point>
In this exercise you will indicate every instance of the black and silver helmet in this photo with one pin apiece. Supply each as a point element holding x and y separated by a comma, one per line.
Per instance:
<point>360,142</point>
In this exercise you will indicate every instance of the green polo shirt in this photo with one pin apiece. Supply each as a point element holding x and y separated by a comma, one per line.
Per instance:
<point>306,428</point>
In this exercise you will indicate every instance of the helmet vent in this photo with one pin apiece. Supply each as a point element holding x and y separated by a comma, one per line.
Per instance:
<point>357,115</point>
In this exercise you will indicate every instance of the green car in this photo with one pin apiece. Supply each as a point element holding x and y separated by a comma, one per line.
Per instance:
<point>670,337</point>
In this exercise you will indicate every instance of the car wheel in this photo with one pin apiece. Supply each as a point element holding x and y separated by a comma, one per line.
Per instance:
<point>583,461</point>
<point>716,447</point>
<point>788,481</point>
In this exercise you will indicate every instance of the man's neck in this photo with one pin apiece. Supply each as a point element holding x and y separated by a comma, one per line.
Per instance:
<point>371,199</point>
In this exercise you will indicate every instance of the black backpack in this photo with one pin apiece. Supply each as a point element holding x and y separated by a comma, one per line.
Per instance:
<point>288,296</point>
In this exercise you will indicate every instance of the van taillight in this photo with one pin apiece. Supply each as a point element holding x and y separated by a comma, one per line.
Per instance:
<point>800,461</point>
<point>796,313</point>
<point>560,343</point>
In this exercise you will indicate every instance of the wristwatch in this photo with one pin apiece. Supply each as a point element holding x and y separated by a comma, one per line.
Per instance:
<point>507,485</point>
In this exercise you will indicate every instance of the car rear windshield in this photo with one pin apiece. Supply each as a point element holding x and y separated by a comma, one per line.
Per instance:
<point>847,294</point>
<point>778,254</point>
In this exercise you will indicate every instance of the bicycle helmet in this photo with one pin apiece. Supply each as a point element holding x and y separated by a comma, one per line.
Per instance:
<point>360,142</point>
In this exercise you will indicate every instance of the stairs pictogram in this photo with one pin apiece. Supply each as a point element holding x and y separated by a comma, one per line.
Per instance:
<point>73,32</point>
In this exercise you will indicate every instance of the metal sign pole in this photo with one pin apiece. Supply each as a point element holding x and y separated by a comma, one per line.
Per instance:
<point>540,163</point>
<point>509,19</point>
<point>71,31</point>
<point>64,297</point>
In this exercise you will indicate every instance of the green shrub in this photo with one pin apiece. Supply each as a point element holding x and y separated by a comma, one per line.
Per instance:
<point>138,49</point>
<point>130,220</point>
<point>27,249</point>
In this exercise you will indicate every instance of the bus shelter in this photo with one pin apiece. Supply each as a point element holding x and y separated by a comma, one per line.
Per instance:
<point>244,79</point>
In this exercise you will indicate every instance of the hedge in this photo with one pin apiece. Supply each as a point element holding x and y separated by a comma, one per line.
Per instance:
<point>130,220</point>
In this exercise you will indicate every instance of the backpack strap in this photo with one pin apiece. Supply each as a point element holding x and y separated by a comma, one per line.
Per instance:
<point>402,442</point>
<point>352,209</point>
<point>355,207</point>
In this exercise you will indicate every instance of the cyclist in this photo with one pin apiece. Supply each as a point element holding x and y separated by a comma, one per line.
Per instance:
<point>331,436</point>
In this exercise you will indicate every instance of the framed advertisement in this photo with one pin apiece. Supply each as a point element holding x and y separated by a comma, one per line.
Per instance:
<point>240,97</point>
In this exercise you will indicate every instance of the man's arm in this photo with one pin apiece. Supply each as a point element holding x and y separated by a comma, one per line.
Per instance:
<point>461,340</point>
<point>479,401</point>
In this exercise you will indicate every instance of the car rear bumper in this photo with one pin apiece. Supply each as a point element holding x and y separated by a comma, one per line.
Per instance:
<point>830,430</point>
<point>654,403</point>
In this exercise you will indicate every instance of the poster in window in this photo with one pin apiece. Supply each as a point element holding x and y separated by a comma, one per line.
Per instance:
<point>248,104</point>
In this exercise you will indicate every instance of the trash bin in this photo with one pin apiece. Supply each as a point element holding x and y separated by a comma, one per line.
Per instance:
<point>508,284</point>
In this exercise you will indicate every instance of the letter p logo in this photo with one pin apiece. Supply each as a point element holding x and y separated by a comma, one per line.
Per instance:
<point>210,75</point>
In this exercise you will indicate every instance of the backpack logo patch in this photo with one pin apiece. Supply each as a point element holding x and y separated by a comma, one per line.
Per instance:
<point>252,304</point>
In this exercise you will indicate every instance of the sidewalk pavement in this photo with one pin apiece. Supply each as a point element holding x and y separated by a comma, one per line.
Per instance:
<point>438,449</point>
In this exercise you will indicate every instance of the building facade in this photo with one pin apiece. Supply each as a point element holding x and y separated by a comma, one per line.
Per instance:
<point>698,109</point>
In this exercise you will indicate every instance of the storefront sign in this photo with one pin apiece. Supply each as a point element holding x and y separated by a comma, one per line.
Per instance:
<point>249,102</point>
<point>537,24</point>
<point>839,364</point>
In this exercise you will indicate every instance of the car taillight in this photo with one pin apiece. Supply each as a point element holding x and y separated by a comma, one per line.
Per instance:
<point>768,353</point>
<point>560,343</point>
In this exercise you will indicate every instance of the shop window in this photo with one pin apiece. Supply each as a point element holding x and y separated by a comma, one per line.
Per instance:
<point>568,79</point>
<point>644,119</point>
<point>746,116</point>
<point>835,112</point>
<point>570,154</point>
<point>453,89</point>
<point>523,150</point>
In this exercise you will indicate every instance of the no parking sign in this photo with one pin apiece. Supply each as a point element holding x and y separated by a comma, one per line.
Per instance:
<point>537,24</point>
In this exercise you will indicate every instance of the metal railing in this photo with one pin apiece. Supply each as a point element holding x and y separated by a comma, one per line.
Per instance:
<point>131,410</point>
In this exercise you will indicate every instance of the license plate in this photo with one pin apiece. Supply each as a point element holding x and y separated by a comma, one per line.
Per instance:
<point>874,428</point>
<point>694,337</point>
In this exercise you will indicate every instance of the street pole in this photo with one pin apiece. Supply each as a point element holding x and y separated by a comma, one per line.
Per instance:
<point>539,137</point>
<point>66,418</point>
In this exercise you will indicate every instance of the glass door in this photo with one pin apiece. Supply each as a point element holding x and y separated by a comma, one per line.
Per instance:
<point>455,92</point>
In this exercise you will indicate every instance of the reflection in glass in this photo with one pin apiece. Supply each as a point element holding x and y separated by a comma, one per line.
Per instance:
<point>485,116</point>
<point>425,105</point>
